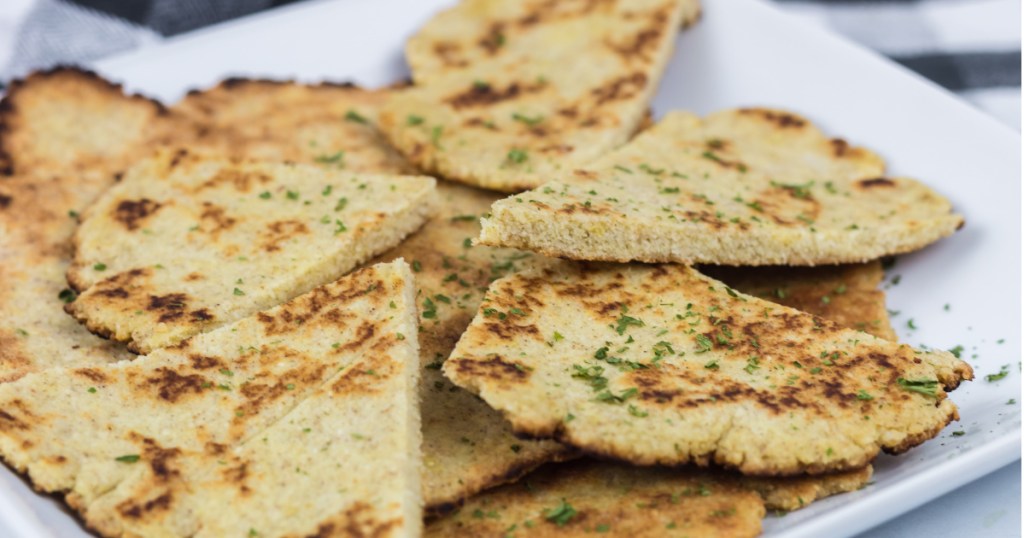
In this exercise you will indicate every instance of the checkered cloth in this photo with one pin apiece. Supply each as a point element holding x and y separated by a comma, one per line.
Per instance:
<point>971,47</point>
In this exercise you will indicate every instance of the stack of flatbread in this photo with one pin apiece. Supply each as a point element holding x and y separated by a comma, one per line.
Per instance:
<point>276,309</point>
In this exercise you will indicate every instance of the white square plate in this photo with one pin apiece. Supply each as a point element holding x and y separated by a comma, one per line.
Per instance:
<point>742,53</point>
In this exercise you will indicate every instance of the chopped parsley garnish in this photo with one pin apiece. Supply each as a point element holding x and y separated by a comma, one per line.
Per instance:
<point>516,156</point>
<point>92,390</point>
<point>435,136</point>
<point>959,433</point>
<point>416,266</point>
<point>1003,372</point>
<point>711,364</point>
<point>558,336</point>
<point>910,324</point>
<point>128,458</point>
<point>67,295</point>
<point>100,267</point>
<point>339,227</point>
<point>636,411</point>
<point>799,191</point>
<point>956,351</point>
<point>336,158</point>
<point>928,387</point>
<point>863,395</point>
<point>561,514</point>
<point>464,218</point>
<point>430,309</point>
<point>528,120</point>
<point>239,292</point>
<point>352,115</point>
<point>327,190</point>
<point>413,119</point>
<point>292,195</point>
<point>625,321</point>
<point>703,343</point>
<point>342,203</point>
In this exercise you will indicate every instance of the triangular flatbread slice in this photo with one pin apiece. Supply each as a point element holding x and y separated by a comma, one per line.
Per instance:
<point>467,446</point>
<point>206,438</point>
<point>509,92</point>
<point>328,124</point>
<point>588,498</point>
<point>188,242</point>
<point>662,365</point>
<point>66,134</point>
<point>845,294</point>
<point>740,187</point>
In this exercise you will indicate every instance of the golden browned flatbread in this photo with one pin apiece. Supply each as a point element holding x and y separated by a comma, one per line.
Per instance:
<point>64,135</point>
<point>509,92</point>
<point>467,446</point>
<point>845,294</point>
<point>328,124</point>
<point>740,187</point>
<point>587,498</point>
<point>267,424</point>
<point>187,242</point>
<point>662,365</point>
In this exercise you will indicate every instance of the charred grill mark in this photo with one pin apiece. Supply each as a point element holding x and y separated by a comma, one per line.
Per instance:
<point>170,306</point>
<point>486,94</point>
<point>780,119</point>
<point>131,212</point>
<point>623,87</point>
<point>876,182</point>
<point>494,367</point>
<point>172,386</point>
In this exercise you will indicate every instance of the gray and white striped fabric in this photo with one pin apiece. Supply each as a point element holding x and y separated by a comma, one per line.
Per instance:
<point>972,47</point>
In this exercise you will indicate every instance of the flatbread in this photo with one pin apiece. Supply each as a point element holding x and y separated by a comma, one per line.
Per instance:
<point>189,242</point>
<point>210,438</point>
<point>509,92</point>
<point>66,133</point>
<point>589,497</point>
<point>328,124</point>
<point>467,446</point>
<point>662,365</point>
<point>740,187</point>
<point>845,294</point>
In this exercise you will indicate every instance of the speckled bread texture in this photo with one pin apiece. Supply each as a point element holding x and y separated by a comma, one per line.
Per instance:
<point>467,446</point>
<point>845,294</point>
<point>301,419</point>
<point>64,135</point>
<point>328,124</point>
<point>596,356</point>
<point>187,242</point>
<point>587,498</point>
<point>740,187</point>
<point>509,92</point>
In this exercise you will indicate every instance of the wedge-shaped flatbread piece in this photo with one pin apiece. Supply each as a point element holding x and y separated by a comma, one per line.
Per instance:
<point>65,133</point>
<point>467,446</point>
<point>328,124</point>
<point>845,294</point>
<point>509,92</point>
<point>740,187</point>
<point>301,418</point>
<point>662,365</point>
<point>587,498</point>
<point>186,243</point>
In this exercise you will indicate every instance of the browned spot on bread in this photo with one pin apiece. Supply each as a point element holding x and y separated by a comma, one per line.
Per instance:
<point>839,147</point>
<point>450,54</point>
<point>237,475</point>
<point>131,212</point>
<point>781,119</point>
<point>356,520</point>
<point>170,306</point>
<point>14,361</point>
<point>643,43</point>
<point>876,182</point>
<point>494,367</point>
<point>241,181</point>
<point>214,218</point>
<point>92,374</point>
<point>192,277</point>
<point>494,38</point>
<point>623,87</point>
<point>201,315</point>
<point>204,362</point>
<point>5,201</point>
<point>511,331</point>
<point>280,231</point>
<point>171,386</point>
<point>133,509</point>
<point>482,94</point>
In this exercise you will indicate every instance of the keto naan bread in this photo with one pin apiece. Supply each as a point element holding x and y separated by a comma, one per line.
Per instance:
<point>845,294</point>
<point>66,134</point>
<point>662,365</point>
<point>467,446</point>
<point>587,497</point>
<point>328,124</point>
<point>510,92</point>
<point>740,187</point>
<point>188,242</point>
<point>302,419</point>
